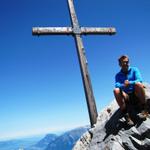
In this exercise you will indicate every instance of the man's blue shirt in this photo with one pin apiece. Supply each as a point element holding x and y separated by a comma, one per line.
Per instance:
<point>132,76</point>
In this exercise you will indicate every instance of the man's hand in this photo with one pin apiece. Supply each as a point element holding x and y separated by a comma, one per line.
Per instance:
<point>126,83</point>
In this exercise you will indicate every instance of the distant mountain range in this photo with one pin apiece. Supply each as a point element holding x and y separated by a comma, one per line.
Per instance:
<point>43,143</point>
<point>67,140</point>
<point>64,141</point>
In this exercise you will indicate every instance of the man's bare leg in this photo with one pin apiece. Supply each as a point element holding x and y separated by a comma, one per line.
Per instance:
<point>121,97</point>
<point>140,93</point>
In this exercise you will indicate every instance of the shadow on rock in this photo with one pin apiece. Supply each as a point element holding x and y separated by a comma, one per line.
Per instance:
<point>117,122</point>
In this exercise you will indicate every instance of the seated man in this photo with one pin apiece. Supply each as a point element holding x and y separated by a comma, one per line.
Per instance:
<point>128,81</point>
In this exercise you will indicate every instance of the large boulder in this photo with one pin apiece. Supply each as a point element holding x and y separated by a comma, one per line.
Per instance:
<point>112,133</point>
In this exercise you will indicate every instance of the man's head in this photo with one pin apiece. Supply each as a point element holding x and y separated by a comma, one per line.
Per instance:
<point>124,62</point>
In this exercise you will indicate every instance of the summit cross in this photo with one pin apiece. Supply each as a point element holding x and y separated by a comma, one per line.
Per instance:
<point>77,32</point>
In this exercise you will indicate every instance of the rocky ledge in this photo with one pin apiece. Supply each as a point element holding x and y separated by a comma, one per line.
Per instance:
<point>112,133</point>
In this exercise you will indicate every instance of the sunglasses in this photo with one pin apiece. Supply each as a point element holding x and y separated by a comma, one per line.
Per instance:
<point>125,62</point>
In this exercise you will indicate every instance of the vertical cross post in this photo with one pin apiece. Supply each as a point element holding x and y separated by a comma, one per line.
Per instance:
<point>83,65</point>
<point>77,31</point>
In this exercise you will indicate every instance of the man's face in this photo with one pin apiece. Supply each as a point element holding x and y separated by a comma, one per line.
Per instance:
<point>124,64</point>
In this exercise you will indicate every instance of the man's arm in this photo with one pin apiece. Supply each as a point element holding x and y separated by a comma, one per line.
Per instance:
<point>137,75</point>
<point>118,83</point>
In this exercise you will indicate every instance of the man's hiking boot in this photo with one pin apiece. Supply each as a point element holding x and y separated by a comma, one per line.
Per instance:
<point>144,113</point>
<point>128,120</point>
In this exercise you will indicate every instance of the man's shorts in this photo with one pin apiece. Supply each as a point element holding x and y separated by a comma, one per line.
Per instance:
<point>133,98</point>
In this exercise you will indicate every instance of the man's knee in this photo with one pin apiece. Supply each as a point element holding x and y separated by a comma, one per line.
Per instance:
<point>139,90</point>
<point>116,91</point>
<point>138,85</point>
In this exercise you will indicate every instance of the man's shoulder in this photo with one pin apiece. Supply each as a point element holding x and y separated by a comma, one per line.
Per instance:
<point>134,68</point>
<point>119,73</point>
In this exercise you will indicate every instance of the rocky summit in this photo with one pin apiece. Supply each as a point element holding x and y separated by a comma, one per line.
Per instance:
<point>111,132</point>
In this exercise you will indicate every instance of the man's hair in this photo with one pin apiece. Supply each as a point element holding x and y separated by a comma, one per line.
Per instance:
<point>122,57</point>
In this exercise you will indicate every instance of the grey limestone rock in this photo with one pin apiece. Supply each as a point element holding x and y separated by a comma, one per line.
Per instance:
<point>112,133</point>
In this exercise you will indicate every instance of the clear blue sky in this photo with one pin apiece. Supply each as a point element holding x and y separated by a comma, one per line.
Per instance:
<point>40,83</point>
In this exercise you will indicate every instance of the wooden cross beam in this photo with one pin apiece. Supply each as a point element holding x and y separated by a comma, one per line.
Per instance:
<point>77,31</point>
